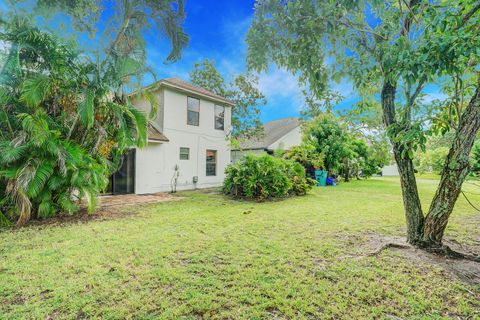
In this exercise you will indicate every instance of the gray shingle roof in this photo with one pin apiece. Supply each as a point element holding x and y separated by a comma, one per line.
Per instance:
<point>187,87</point>
<point>190,87</point>
<point>155,135</point>
<point>273,131</point>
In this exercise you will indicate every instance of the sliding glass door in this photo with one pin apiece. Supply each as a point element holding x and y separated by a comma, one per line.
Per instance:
<point>123,181</point>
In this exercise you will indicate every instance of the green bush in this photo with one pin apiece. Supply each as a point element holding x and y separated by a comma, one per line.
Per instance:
<point>263,177</point>
<point>475,159</point>
<point>307,156</point>
<point>432,160</point>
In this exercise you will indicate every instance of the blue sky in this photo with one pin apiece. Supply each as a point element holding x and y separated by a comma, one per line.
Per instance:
<point>217,31</point>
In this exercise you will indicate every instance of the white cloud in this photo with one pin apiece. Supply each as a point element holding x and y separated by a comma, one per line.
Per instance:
<point>278,84</point>
<point>433,96</point>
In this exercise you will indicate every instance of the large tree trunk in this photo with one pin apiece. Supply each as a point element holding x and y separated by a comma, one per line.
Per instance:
<point>454,172</point>
<point>411,200</point>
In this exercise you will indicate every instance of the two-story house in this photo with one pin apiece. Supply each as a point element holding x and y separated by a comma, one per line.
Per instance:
<point>188,145</point>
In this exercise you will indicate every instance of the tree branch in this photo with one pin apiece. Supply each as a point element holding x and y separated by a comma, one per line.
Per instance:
<point>469,15</point>
<point>362,30</point>
<point>418,90</point>
<point>410,17</point>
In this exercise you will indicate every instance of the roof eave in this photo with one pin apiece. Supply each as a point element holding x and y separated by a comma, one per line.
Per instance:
<point>208,97</point>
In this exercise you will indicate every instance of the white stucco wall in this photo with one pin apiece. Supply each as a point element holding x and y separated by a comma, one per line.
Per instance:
<point>291,139</point>
<point>390,170</point>
<point>155,164</point>
<point>144,105</point>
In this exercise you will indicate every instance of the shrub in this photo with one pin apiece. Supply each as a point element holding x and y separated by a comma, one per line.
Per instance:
<point>306,155</point>
<point>263,177</point>
<point>475,158</point>
<point>432,160</point>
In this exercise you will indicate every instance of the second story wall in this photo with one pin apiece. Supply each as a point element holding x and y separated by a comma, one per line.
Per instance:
<point>142,104</point>
<point>175,115</point>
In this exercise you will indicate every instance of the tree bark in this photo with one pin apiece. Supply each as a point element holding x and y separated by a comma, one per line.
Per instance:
<point>454,172</point>
<point>411,200</point>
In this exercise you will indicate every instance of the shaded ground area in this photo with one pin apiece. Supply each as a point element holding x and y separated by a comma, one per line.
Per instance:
<point>108,201</point>
<point>464,270</point>
<point>111,206</point>
<point>209,257</point>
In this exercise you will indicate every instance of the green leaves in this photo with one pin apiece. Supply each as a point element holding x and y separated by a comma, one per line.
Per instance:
<point>140,121</point>
<point>242,91</point>
<point>265,177</point>
<point>86,108</point>
<point>10,153</point>
<point>35,90</point>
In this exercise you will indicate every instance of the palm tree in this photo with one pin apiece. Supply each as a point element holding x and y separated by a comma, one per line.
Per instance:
<point>65,118</point>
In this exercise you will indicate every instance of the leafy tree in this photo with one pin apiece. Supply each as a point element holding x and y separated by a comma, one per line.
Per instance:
<point>65,120</point>
<point>392,50</point>
<point>329,137</point>
<point>475,158</point>
<point>363,158</point>
<point>242,90</point>
<point>432,160</point>
<point>306,155</point>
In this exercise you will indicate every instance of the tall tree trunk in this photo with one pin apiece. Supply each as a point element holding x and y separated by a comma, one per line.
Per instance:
<point>411,200</point>
<point>454,172</point>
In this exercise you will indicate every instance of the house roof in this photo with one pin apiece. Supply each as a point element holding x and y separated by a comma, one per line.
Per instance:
<point>187,87</point>
<point>273,131</point>
<point>155,135</point>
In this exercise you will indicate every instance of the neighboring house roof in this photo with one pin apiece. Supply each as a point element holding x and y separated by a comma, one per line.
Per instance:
<point>273,131</point>
<point>186,87</point>
<point>155,135</point>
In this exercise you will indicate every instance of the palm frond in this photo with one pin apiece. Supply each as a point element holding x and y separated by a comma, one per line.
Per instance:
<point>35,90</point>
<point>10,153</point>
<point>21,200</point>
<point>86,109</point>
<point>42,173</point>
<point>140,120</point>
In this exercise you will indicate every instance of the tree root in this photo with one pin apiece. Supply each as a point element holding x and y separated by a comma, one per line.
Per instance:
<point>388,246</point>
<point>447,252</point>
<point>443,250</point>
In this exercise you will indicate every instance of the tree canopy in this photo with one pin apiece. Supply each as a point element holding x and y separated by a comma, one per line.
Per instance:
<point>242,90</point>
<point>390,51</point>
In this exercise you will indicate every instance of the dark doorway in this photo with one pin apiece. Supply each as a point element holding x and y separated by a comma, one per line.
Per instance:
<point>123,181</point>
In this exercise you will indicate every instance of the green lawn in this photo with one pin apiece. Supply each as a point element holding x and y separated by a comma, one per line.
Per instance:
<point>207,256</point>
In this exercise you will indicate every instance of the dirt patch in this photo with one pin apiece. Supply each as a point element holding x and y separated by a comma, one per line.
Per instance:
<point>135,199</point>
<point>109,207</point>
<point>465,270</point>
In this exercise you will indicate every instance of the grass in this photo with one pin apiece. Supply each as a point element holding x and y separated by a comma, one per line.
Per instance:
<point>211,257</point>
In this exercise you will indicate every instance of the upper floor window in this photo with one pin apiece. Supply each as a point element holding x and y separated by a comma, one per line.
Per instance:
<point>193,111</point>
<point>219,117</point>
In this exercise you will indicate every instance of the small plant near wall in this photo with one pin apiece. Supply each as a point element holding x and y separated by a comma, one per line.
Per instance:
<point>265,177</point>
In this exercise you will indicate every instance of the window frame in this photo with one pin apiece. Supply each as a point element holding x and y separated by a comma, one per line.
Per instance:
<point>219,117</point>
<point>188,111</point>
<point>188,153</point>
<point>207,163</point>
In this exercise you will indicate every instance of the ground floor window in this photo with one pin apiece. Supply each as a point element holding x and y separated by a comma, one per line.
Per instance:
<point>211,163</point>
<point>184,153</point>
